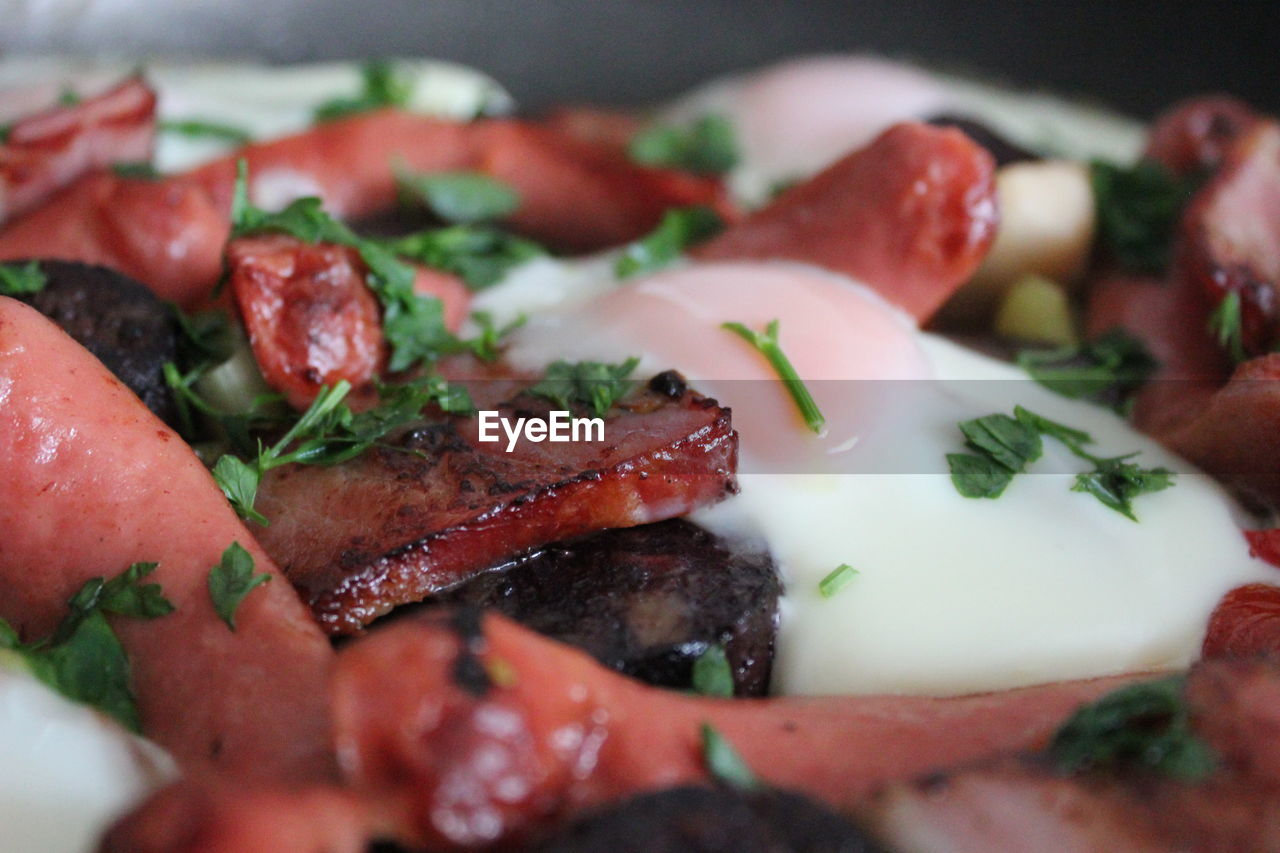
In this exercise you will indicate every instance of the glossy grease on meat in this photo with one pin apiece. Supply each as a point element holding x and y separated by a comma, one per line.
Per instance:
<point>712,820</point>
<point>117,319</point>
<point>646,601</point>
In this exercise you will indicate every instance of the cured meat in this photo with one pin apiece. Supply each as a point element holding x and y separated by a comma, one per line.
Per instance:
<point>1020,804</point>
<point>438,505</point>
<point>911,215</point>
<point>312,319</point>
<point>169,233</point>
<point>647,601</point>
<point>472,729</point>
<point>1192,137</point>
<point>1170,318</point>
<point>94,482</point>
<point>1235,436</point>
<point>45,152</point>
<point>118,320</point>
<point>712,820</point>
<point>1000,148</point>
<point>1231,235</point>
<point>1245,623</point>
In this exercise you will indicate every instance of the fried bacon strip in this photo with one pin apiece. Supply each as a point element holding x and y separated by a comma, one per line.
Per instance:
<point>45,152</point>
<point>1020,804</point>
<point>169,233</point>
<point>471,730</point>
<point>911,215</point>
<point>94,482</point>
<point>399,523</point>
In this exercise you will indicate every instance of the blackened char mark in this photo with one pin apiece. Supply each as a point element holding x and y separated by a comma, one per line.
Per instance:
<point>712,820</point>
<point>1000,148</point>
<point>117,319</point>
<point>646,601</point>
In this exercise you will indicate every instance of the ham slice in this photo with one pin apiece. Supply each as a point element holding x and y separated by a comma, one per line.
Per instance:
<point>94,482</point>
<point>45,152</point>
<point>401,522</point>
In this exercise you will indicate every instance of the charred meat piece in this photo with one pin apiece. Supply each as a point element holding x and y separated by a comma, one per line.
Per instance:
<point>117,319</point>
<point>405,521</point>
<point>1001,149</point>
<point>712,820</point>
<point>1193,136</point>
<point>646,601</point>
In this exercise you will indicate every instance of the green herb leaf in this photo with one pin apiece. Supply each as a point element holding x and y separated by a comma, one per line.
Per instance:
<point>712,674</point>
<point>83,659</point>
<point>461,197</point>
<point>239,482</point>
<point>836,580</point>
<point>1138,208</point>
<point>1226,326</point>
<point>480,256</point>
<point>707,147</point>
<point>724,763</point>
<point>1106,370</point>
<point>141,170</point>
<point>1005,446</point>
<point>679,229</point>
<point>1003,439</point>
<point>978,476</point>
<point>68,97</point>
<point>590,383</point>
<point>487,345</point>
<point>22,279</point>
<point>203,128</point>
<point>381,86</point>
<point>231,580</point>
<point>1116,482</point>
<point>766,344</point>
<point>1142,725</point>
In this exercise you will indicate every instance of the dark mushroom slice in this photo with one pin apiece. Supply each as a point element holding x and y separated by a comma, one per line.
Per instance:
<point>119,320</point>
<point>646,601</point>
<point>713,820</point>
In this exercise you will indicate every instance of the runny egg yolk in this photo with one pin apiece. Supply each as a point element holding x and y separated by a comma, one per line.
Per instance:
<point>954,594</point>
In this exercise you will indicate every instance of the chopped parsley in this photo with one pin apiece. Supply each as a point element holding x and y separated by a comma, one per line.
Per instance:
<point>138,169</point>
<point>487,344</point>
<point>1142,725</point>
<point>196,128</point>
<point>712,673</point>
<point>1003,447</point>
<point>461,197</point>
<point>767,345</point>
<point>836,580</point>
<point>68,97</point>
<point>1226,326</point>
<point>83,659</point>
<point>329,433</point>
<point>412,324</point>
<point>22,279</point>
<point>593,384</point>
<point>708,146</point>
<point>679,229</point>
<point>381,85</point>
<point>478,255</point>
<point>1106,370</point>
<point>203,344</point>
<point>231,580</point>
<point>724,763</point>
<point>1138,209</point>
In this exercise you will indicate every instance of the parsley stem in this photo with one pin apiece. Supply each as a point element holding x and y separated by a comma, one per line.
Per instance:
<point>767,345</point>
<point>837,579</point>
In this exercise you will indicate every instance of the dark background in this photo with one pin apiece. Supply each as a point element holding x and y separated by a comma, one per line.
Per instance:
<point>1133,56</point>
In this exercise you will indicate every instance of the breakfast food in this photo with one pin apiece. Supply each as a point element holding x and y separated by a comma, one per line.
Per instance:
<point>702,398</point>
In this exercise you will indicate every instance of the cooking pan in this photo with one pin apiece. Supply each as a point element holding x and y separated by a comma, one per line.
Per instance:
<point>1136,57</point>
